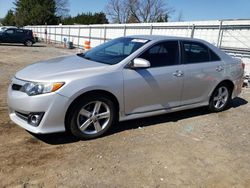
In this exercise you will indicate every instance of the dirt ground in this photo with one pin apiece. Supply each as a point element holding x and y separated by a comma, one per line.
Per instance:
<point>185,149</point>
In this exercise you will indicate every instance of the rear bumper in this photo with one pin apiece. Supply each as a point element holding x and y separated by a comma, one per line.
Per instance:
<point>237,87</point>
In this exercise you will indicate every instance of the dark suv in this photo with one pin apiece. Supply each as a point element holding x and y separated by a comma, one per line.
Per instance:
<point>17,35</point>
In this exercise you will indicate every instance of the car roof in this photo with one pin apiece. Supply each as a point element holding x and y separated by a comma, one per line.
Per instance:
<point>17,28</point>
<point>163,37</point>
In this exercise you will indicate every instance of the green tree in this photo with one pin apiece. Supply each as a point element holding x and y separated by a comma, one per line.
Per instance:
<point>35,12</point>
<point>9,19</point>
<point>86,18</point>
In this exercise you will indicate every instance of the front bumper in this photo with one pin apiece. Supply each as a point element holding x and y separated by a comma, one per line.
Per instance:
<point>53,105</point>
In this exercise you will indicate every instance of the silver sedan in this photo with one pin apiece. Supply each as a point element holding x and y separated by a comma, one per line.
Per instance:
<point>125,78</point>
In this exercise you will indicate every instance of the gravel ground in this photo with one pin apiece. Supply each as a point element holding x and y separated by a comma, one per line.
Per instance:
<point>191,148</point>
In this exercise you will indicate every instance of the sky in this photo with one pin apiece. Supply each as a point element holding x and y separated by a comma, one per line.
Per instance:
<point>191,10</point>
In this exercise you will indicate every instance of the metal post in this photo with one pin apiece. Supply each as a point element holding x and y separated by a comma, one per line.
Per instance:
<point>151,29</point>
<point>78,41</point>
<point>221,37</point>
<point>219,34</point>
<point>46,33</point>
<point>89,33</point>
<point>192,32</point>
<point>69,35</point>
<point>49,36</point>
<point>61,34</point>
<point>104,33</point>
<point>54,34</point>
<point>124,31</point>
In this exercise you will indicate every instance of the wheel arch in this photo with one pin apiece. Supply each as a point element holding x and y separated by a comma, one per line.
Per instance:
<point>108,94</point>
<point>228,82</point>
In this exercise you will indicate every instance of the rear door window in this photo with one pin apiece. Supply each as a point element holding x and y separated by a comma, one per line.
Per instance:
<point>195,52</point>
<point>213,56</point>
<point>19,31</point>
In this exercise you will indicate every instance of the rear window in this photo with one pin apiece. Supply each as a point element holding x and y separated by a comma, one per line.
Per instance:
<point>213,56</point>
<point>19,31</point>
<point>24,31</point>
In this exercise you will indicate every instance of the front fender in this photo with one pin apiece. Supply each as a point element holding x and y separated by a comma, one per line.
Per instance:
<point>111,82</point>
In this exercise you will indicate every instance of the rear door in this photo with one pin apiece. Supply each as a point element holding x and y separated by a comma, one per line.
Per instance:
<point>157,87</point>
<point>203,69</point>
<point>20,36</point>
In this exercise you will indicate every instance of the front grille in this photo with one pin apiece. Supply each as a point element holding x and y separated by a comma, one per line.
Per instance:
<point>22,115</point>
<point>16,87</point>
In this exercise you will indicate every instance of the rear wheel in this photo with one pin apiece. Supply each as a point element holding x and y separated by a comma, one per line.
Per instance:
<point>28,43</point>
<point>220,98</point>
<point>92,117</point>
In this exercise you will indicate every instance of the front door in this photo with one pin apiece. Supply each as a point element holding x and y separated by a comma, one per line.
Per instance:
<point>9,36</point>
<point>157,87</point>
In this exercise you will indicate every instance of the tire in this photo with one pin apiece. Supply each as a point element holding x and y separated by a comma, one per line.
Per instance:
<point>28,43</point>
<point>91,117</point>
<point>220,98</point>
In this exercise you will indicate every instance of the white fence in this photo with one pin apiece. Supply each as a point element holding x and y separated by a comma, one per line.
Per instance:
<point>233,36</point>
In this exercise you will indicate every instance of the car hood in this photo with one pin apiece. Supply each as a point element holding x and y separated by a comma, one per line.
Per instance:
<point>59,68</point>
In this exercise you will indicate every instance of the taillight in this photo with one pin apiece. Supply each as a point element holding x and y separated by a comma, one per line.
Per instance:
<point>243,65</point>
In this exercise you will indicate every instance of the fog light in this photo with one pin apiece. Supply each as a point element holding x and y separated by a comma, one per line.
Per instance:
<point>35,118</point>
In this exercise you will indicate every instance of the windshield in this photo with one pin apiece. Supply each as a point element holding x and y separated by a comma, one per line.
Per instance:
<point>114,51</point>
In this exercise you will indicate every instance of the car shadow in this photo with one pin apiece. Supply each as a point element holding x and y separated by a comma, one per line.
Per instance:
<point>66,138</point>
<point>237,102</point>
<point>170,117</point>
<point>56,138</point>
<point>21,45</point>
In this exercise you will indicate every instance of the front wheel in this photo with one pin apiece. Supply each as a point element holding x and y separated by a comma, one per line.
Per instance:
<point>92,117</point>
<point>220,98</point>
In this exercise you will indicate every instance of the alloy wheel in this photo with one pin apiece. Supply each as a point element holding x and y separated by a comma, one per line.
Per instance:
<point>221,97</point>
<point>93,117</point>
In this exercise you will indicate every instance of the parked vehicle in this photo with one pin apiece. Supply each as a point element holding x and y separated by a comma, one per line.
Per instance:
<point>125,78</point>
<point>6,27</point>
<point>17,35</point>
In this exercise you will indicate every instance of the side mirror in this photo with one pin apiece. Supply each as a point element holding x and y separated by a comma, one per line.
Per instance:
<point>140,63</point>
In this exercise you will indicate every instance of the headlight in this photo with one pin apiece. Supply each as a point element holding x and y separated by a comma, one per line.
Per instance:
<point>32,88</point>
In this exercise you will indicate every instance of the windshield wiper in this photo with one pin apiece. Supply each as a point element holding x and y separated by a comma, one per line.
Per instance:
<point>83,56</point>
<point>88,58</point>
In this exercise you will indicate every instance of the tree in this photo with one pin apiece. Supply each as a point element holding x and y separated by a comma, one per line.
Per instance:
<point>118,11</point>
<point>132,19</point>
<point>121,11</point>
<point>62,9</point>
<point>9,19</point>
<point>35,12</point>
<point>180,17</point>
<point>86,18</point>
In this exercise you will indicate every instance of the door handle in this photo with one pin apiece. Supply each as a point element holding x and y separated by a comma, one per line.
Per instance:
<point>219,68</point>
<point>178,73</point>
